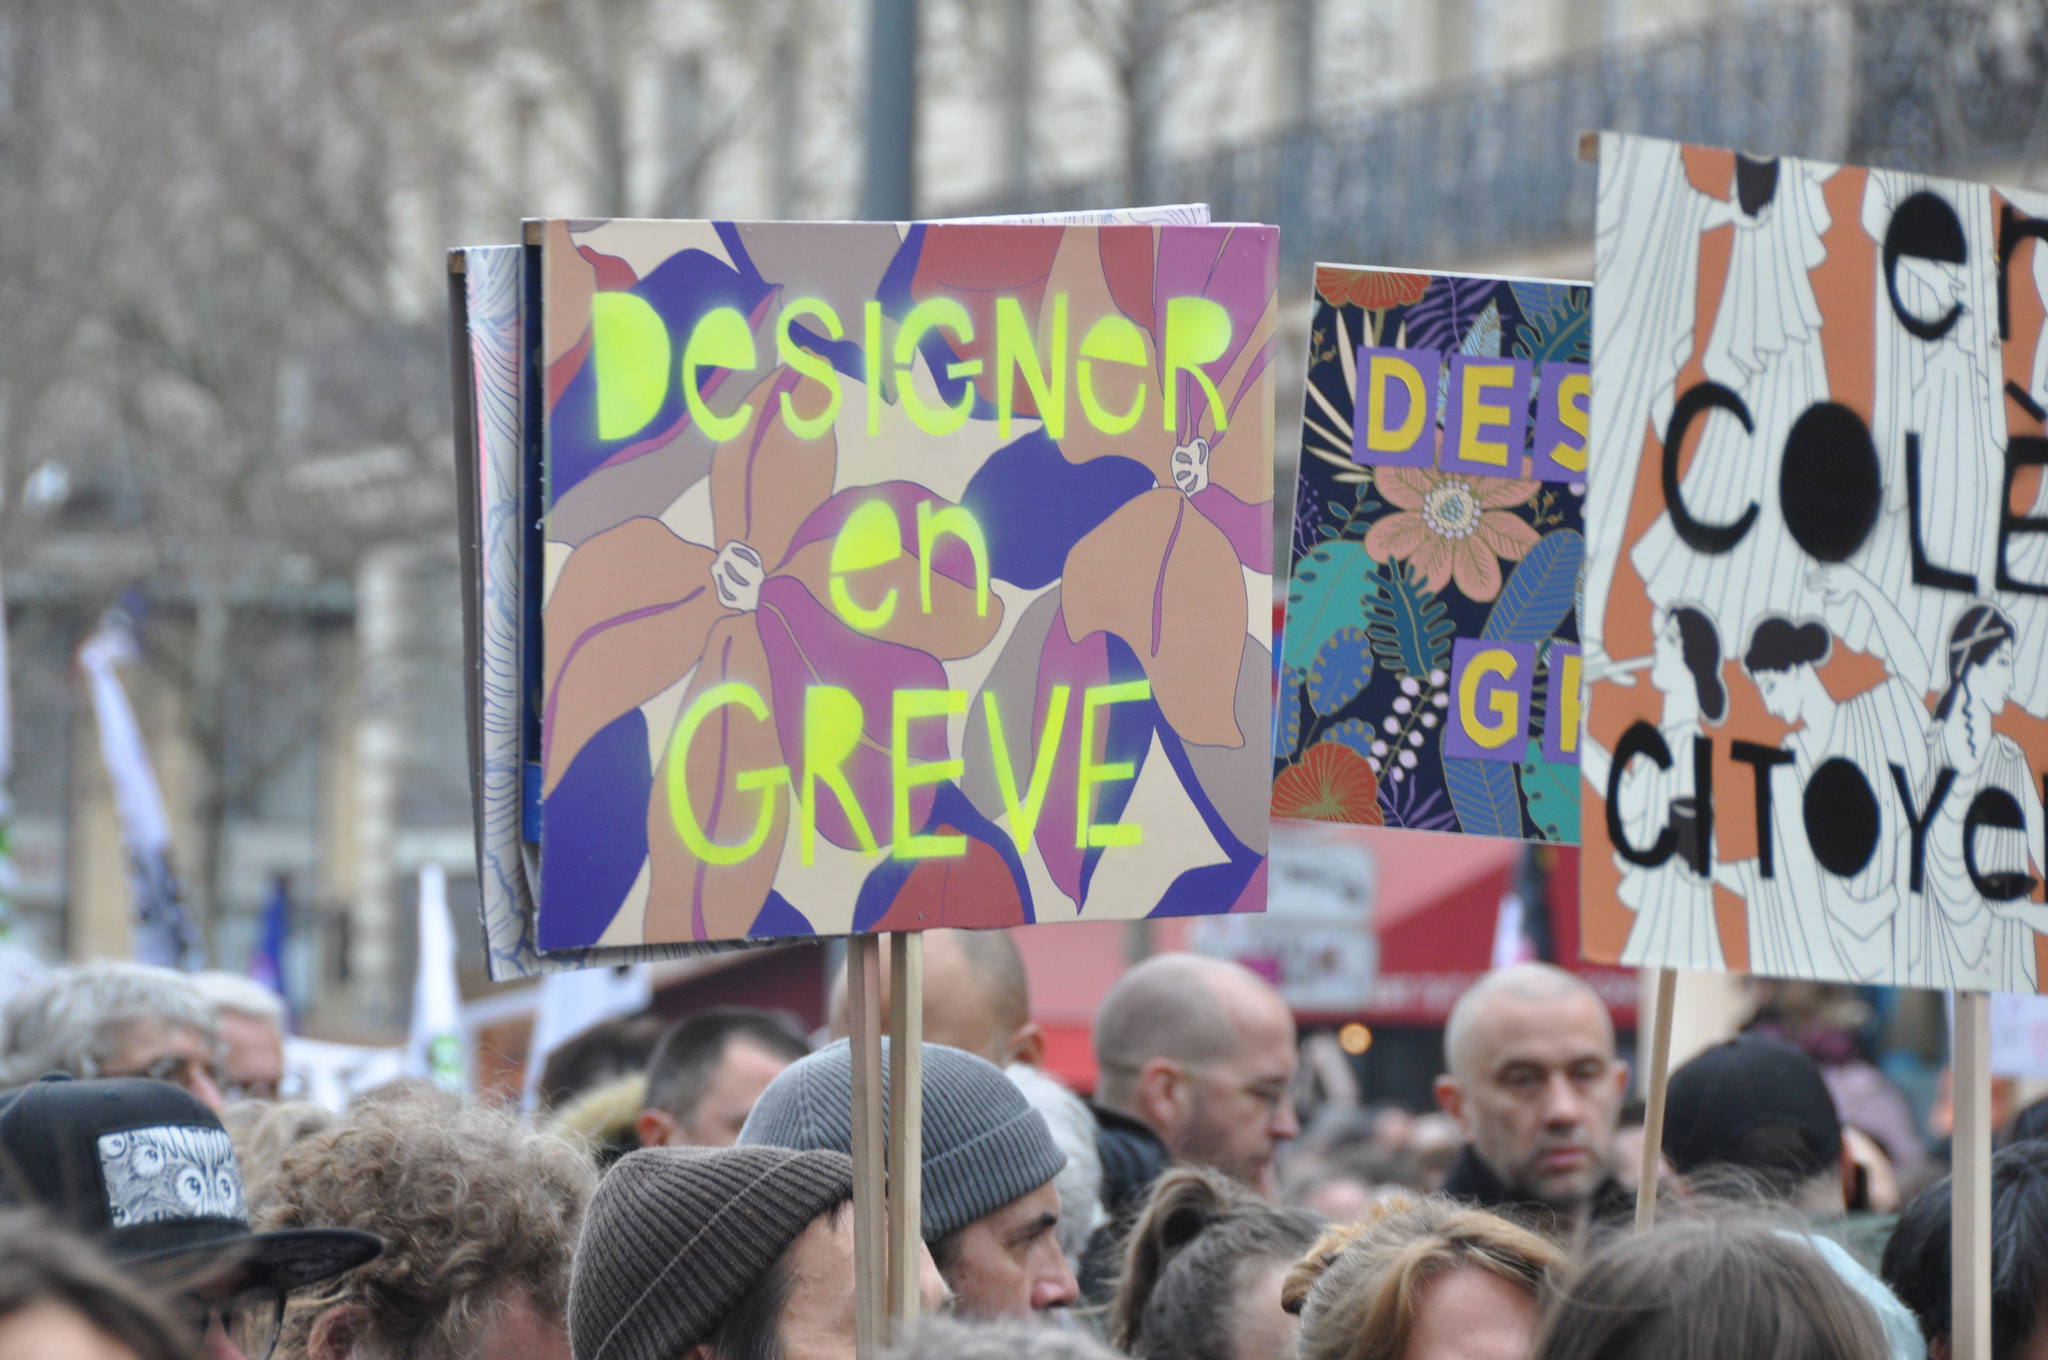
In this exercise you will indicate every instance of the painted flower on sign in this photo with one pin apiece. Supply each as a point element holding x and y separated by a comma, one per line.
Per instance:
<point>1332,783</point>
<point>1452,527</point>
<point>776,677</point>
<point>1371,289</point>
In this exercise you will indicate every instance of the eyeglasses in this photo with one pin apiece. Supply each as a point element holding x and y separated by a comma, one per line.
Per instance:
<point>249,1320</point>
<point>183,1070</point>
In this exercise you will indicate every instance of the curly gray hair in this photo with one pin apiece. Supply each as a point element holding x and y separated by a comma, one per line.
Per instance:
<point>79,1018</point>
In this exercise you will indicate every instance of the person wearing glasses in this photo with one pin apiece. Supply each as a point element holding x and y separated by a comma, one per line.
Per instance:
<point>1199,1052</point>
<point>145,1171</point>
<point>114,1019</point>
<point>251,1021</point>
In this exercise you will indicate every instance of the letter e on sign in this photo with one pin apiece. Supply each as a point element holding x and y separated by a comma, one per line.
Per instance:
<point>1486,416</point>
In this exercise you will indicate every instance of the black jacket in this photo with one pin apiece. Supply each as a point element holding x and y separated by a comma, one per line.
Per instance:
<point>1132,1158</point>
<point>1478,1184</point>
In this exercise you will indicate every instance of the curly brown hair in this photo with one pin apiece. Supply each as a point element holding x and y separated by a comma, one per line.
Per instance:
<point>471,1203</point>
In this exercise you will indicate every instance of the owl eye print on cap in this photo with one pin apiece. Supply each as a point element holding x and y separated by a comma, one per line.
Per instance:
<point>170,1172</point>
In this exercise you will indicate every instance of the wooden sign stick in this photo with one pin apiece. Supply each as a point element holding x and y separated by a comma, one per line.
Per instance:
<point>1664,988</point>
<point>1970,1187</point>
<point>864,1024</point>
<point>906,1130</point>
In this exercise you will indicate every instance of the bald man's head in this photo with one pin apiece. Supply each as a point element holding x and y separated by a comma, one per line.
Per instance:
<point>976,997</point>
<point>1534,1084</point>
<point>1202,1050</point>
<point>1531,983</point>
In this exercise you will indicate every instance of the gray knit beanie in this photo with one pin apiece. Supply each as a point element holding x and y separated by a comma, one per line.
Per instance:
<point>674,1237</point>
<point>983,1143</point>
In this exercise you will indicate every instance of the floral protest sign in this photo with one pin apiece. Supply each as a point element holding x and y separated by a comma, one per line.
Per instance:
<point>1816,613</point>
<point>902,576</point>
<point>1429,673</point>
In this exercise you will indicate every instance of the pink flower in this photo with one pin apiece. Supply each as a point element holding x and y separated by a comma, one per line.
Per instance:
<point>1452,527</point>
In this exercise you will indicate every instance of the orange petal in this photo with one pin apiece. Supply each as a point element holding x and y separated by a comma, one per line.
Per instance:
<point>765,482</point>
<point>1433,562</point>
<point>1397,536</point>
<point>1077,271</point>
<point>627,619</point>
<point>689,899</point>
<point>571,281</point>
<point>1404,487</point>
<point>1498,493</point>
<point>1477,570</point>
<point>1166,581</point>
<point>1505,535</point>
<point>1241,461</point>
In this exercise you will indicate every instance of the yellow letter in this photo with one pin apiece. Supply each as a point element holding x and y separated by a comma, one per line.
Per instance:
<point>1483,664</point>
<point>922,703</point>
<point>719,340</point>
<point>1024,813</point>
<point>1475,412</point>
<point>832,723</point>
<point>871,356</point>
<point>1017,352</point>
<point>813,366</point>
<point>1573,392</point>
<point>1112,340</point>
<point>1564,713</point>
<point>679,809</point>
<point>1380,368</point>
<point>1197,333</point>
<point>1085,833</point>
<point>939,313</point>
<point>958,521</point>
<point>629,354</point>
<point>871,537</point>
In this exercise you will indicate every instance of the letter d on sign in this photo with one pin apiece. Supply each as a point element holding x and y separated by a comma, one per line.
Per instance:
<point>1394,424</point>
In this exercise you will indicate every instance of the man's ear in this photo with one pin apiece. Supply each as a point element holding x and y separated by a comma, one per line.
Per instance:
<point>1027,1044</point>
<point>1162,1096</point>
<point>1450,1098</point>
<point>657,1128</point>
<point>337,1332</point>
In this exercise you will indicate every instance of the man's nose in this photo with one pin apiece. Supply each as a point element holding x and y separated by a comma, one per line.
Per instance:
<point>1561,1103</point>
<point>1284,1125</point>
<point>1055,1286</point>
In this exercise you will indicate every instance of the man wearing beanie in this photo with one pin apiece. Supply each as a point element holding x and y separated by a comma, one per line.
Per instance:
<point>990,1210</point>
<point>720,1254</point>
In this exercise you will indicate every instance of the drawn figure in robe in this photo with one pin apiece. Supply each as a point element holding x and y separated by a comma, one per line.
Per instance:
<point>1806,916</point>
<point>2027,554</point>
<point>1938,394</point>
<point>1649,246</point>
<point>1765,347</point>
<point>1673,902</point>
<point>1951,934</point>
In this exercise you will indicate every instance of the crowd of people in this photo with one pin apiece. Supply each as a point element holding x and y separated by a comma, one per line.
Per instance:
<point>684,1192</point>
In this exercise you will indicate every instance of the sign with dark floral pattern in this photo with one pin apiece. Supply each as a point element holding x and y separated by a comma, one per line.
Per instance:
<point>1429,676</point>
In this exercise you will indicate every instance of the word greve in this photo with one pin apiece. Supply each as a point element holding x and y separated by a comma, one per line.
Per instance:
<point>634,359</point>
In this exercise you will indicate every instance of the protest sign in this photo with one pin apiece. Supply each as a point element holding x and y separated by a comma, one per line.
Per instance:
<point>898,577</point>
<point>1429,674</point>
<point>1816,599</point>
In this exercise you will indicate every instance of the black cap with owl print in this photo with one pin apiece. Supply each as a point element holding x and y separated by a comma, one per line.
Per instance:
<point>146,1171</point>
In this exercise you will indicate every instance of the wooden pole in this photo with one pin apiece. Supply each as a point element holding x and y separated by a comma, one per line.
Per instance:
<point>906,1130</point>
<point>864,1017</point>
<point>1970,1187</point>
<point>1664,987</point>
